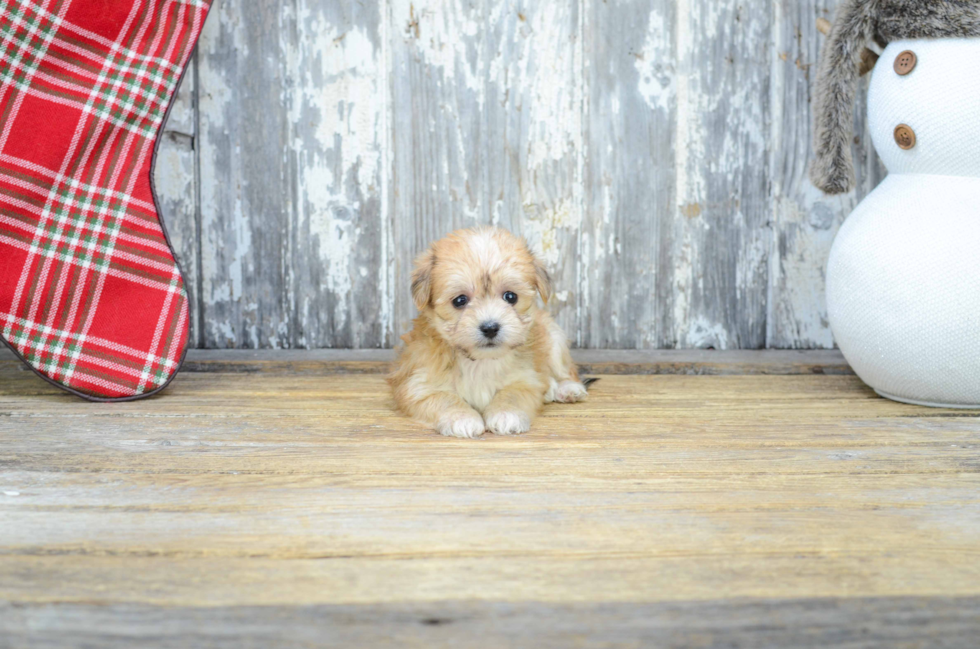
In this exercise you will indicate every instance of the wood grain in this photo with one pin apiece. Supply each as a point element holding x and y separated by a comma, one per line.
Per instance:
<point>533,110</point>
<point>653,152</point>
<point>626,239</point>
<point>589,361</point>
<point>857,623</point>
<point>697,499</point>
<point>176,185</point>
<point>719,232</point>
<point>292,129</point>
<point>438,91</point>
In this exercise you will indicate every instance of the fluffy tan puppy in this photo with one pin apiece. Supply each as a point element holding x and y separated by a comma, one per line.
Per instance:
<point>481,355</point>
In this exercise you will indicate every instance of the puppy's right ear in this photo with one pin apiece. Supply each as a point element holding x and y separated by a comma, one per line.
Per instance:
<point>422,279</point>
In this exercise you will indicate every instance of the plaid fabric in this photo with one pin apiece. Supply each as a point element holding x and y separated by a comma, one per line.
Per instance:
<point>90,294</point>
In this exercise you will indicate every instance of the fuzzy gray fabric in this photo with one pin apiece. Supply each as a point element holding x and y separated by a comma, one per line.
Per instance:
<point>856,24</point>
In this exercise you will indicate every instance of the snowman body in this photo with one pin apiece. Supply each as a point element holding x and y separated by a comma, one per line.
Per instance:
<point>903,278</point>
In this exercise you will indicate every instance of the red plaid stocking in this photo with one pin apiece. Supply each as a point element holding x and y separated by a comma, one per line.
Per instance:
<point>90,294</point>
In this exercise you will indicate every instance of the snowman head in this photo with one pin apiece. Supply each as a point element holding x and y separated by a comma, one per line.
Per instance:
<point>857,23</point>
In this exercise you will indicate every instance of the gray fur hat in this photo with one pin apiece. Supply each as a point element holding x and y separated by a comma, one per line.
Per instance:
<point>856,24</point>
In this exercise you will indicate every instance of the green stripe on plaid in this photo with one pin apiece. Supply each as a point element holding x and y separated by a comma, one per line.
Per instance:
<point>149,67</point>
<point>43,178</point>
<point>22,325</point>
<point>80,227</point>
<point>53,350</point>
<point>132,89</point>
<point>27,35</point>
<point>84,33</point>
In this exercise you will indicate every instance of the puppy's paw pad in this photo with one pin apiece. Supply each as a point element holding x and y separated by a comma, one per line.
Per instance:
<point>466,426</point>
<point>508,423</point>
<point>570,392</point>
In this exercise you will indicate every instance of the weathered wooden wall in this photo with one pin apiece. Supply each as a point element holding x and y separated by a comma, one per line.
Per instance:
<point>653,152</point>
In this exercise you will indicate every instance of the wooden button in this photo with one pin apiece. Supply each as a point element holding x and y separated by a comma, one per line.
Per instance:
<point>905,62</point>
<point>904,136</point>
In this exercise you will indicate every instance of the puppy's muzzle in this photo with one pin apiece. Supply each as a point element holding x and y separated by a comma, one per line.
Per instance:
<point>490,330</point>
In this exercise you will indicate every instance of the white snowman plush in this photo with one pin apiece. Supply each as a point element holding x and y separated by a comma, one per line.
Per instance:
<point>903,278</point>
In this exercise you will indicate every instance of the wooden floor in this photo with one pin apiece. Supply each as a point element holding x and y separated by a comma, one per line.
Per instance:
<point>270,502</point>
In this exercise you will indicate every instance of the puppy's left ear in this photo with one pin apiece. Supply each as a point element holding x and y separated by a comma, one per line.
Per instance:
<point>542,280</point>
<point>422,279</point>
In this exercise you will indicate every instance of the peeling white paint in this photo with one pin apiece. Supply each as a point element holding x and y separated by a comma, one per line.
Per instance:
<point>445,35</point>
<point>654,66</point>
<point>688,182</point>
<point>542,227</point>
<point>492,123</point>
<point>702,333</point>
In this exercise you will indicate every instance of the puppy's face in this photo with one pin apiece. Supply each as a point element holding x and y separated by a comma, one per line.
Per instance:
<point>478,289</point>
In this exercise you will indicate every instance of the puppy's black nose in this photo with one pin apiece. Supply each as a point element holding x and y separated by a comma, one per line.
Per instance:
<point>490,329</point>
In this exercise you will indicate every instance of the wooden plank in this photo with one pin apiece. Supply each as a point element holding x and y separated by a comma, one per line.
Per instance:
<point>292,128</point>
<point>439,147</point>
<point>247,190</point>
<point>533,146</point>
<point>720,232</point>
<point>486,107</point>
<point>722,504</point>
<point>626,237</point>
<point>176,183</point>
<point>590,361</point>
<point>857,623</point>
<point>653,152</point>
<point>804,220</point>
<point>336,93</point>
<point>710,362</point>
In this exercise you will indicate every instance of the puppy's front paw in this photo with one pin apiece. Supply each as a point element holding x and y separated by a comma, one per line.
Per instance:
<point>508,423</point>
<point>461,425</point>
<point>570,392</point>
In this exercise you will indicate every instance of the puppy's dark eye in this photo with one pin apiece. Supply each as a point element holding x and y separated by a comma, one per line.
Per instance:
<point>460,301</point>
<point>510,297</point>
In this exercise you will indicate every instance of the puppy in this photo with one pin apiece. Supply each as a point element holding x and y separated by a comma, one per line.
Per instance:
<point>482,355</point>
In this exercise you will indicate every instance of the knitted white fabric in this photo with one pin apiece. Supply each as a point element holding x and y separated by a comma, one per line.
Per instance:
<point>903,279</point>
<point>939,99</point>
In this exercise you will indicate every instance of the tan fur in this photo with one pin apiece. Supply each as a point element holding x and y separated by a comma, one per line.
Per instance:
<point>448,375</point>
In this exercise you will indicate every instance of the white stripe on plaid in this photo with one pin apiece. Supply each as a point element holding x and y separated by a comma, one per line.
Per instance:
<point>79,87</point>
<point>153,75</point>
<point>84,209</point>
<point>73,183</point>
<point>71,245</point>
<point>18,102</point>
<point>105,42</point>
<point>123,236</point>
<point>111,272</point>
<point>55,20</point>
<point>194,3</point>
<point>52,366</point>
<point>144,129</point>
<point>62,219</point>
<point>145,146</point>
<point>95,381</point>
<point>36,341</point>
<point>158,336</point>
<point>121,96</point>
<point>32,24</point>
<point>110,345</point>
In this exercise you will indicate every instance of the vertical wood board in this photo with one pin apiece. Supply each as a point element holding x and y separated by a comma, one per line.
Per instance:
<point>653,153</point>
<point>175,180</point>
